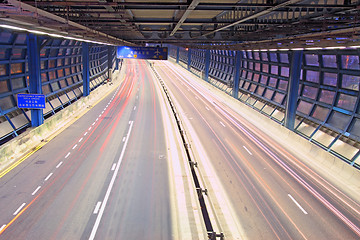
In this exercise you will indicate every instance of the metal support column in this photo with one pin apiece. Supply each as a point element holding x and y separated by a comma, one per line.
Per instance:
<point>117,63</point>
<point>33,45</point>
<point>237,74</point>
<point>86,68</point>
<point>293,89</point>
<point>177,54</point>
<point>207,65</point>
<point>109,52</point>
<point>189,59</point>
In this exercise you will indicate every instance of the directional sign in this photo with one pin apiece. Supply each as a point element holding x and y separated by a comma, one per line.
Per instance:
<point>36,101</point>
<point>155,53</point>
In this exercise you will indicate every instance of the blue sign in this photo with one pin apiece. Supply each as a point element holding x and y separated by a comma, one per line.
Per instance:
<point>155,53</point>
<point>31,100</point>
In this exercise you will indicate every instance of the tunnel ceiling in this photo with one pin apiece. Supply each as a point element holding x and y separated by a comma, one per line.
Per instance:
<point>230,24</point>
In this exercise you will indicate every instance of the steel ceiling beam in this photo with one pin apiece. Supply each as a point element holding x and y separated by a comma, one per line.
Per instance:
<point>258,14</point>
<point>189,10</point>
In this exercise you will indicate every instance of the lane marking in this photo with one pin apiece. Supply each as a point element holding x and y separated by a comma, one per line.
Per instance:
<point>247,150</point>
<point>134,108</point>
<point>89,128</point>
<point>37,189</point>
<point>49,176</point>
<point>57,166</point>
<point>130,122</point>
<point>97,207</point>
<point>102,112</point>
<point>113,167</point>
<point>96,119</point>
<point>222,124</point>
<point>67,155</point>
<point>207,108</point>
<point>124,138</point>
<point>81,139</point>
<point>19,209</point>
<point>297,204</point>
<point>106,198</point>
<point>100,115</point>
<point>2,227</point>
<point>93,123</point>
<point>74,146</point>
<point>85,133</point>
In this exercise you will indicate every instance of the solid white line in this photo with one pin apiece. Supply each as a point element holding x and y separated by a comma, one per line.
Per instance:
<point>19,209</point>
<point>97,207</point>
<point>47,178</point>
<point>222,124</point>
<point>74,146</point>
<point>124,138</point>
<point>297,204</point>
<point>2,227</point>
<point>81,139</point>
<point>113,167</point>
<point>247,150</point>
<point>67,155</point>
<point>37,189</point>
<point>134,108</point>
<point>102,209</point>
<point>85,133</point>
<point>207,108</point>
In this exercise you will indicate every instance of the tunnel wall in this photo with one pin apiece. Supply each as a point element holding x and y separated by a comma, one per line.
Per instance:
<point>328,108</point>
<point>61,76</point>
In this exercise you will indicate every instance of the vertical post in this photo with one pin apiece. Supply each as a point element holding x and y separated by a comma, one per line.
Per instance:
<point>207,65</point>
<point>189,59</point>
<point>86,68</point>
<point>237,74</point>
<point>117,64</point>
<point>177,54</point>
<point>293,89</point>
<point>109,52</point>
<point>33,45</point>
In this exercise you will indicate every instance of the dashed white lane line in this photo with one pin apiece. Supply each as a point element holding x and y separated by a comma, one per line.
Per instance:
<point>207,108</point>
<point>102,112</point>
<point>37,189</point>
<point>111,184</point>
<point>97,207</point>
<point>113,167</point>
<point>222,124</point>
<point>247,150</point>
<point>19,209</point>
<point>134,108</point>
<point>85,133</point>
<point>100,115</point>
<point>96,119</point>
<point>89,128</point>
<point>297,204</point>
<point>124,138</point>
<point>67,155</point>
<point>49,176</point>
<point>2,227</point>
<point>74,146</point>
<point>81,139</point>
<point>59,164</point>
<point>93,123</point>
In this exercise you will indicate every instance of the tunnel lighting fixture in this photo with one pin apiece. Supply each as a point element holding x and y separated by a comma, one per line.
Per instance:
<point>314,48</point>
<point>50,34</point>
<point>336,47</point>
<point>297,49</point>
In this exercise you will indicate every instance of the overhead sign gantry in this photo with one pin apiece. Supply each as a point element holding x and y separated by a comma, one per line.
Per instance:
<point>154,53</point>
